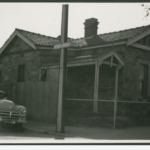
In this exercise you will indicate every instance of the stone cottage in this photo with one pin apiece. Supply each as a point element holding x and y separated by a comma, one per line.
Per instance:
<point>105,72</point>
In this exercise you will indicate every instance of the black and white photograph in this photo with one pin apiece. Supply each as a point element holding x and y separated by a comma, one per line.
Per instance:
<point>74,73</point>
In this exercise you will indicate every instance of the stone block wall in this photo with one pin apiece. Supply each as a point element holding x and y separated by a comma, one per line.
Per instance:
<point>106,82</point>
<point>49,57</point>
<point>133,57</point>
<point>9,66</point>
<point>128,89</point>
<point>80,82</point>
<point>17,53</point>
<point>16,45</point>
<point>81,79</point>
<point>136,113</point>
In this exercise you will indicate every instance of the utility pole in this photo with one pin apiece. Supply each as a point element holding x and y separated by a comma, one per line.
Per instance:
<point>62,72</point>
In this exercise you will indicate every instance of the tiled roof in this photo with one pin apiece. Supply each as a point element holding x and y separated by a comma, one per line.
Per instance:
<point>44,40</point>
<point>39,39</point>
<point>123,34</point>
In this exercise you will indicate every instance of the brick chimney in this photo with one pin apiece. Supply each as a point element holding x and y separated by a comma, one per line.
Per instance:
<point>90,27</point>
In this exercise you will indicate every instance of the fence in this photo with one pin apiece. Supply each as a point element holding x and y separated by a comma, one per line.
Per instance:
<point>40,99</point>
<point>129,113</point>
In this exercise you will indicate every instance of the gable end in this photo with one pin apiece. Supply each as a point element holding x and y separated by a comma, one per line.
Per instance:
<point>14,34</point>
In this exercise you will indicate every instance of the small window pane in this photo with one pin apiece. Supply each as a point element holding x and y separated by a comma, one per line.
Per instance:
<point>44,74</point>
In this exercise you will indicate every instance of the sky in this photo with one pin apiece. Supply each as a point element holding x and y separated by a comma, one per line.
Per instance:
<point>45,18</point>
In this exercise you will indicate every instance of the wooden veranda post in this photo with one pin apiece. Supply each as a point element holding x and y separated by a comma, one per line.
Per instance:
<point>96,85</point>
<point>62,72</point>
<point>116,94</point>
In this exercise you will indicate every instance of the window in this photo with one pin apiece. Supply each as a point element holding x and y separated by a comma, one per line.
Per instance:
<point>21,73</point>
<point>143,79</point>
<point>43,75</point>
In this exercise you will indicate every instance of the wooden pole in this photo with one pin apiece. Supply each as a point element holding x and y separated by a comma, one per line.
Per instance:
<point>116,94</point>
<point>62,72</point>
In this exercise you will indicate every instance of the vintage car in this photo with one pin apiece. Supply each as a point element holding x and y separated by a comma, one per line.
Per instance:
<point>10,112</point>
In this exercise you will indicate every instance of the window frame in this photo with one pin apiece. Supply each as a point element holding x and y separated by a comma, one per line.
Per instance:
<point>144,80</point>
<point>21,73</point>
<point>45,69</point>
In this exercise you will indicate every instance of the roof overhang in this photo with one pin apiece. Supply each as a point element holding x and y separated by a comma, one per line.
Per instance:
<point>109,44</point>
<point>16,33</point>
<point>138,37</point>
<point>144,47</point>
<point>85,45</point>
<point>91,60</point>
<point>112,54</point>
<point>44,47</point>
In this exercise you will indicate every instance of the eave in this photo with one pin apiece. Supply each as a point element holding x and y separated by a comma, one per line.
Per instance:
<point>140,46</point>
<point>138,37</point>
<point>91,61</point>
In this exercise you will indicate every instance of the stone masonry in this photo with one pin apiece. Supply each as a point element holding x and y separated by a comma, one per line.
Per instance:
<point>17,53</point>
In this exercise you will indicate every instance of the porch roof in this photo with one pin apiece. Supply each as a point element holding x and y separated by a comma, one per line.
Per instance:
<point>110,58</point>
<point>91,59</point>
